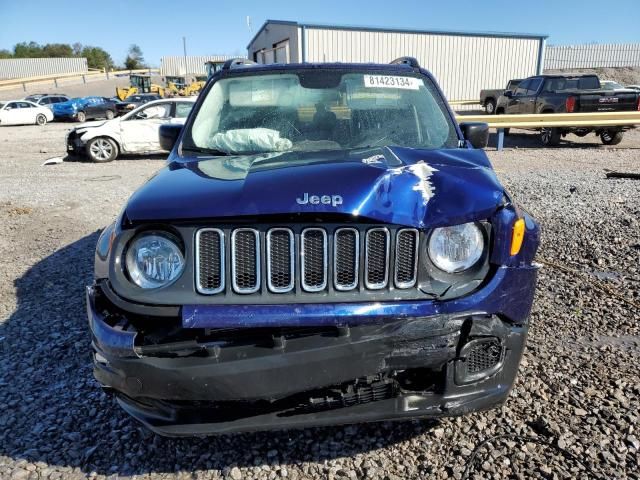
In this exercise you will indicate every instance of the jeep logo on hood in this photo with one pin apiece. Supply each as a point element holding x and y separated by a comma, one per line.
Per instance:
<point>333,200</point>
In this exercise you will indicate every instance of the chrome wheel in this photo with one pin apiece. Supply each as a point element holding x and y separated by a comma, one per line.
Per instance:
<point>101,150</point>
<point>41,119</point>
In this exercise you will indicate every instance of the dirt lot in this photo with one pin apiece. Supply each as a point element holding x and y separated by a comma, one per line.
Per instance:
<point>573,413</point>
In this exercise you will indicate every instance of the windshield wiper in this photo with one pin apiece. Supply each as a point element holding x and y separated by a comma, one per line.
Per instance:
<point>205,151</point>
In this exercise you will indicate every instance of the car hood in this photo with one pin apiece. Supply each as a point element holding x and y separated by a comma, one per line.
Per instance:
<point>95,124</point>
<point>419,188</point>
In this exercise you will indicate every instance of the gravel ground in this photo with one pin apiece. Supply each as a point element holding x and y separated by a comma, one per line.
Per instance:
<point>574,407</point>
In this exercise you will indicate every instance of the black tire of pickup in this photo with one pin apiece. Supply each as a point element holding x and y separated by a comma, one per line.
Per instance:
<point>609,137</point>
<point>490,106</point>
<point>550,137</point>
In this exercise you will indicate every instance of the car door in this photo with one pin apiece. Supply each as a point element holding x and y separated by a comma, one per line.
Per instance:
<point>139,131</point>
<point>92,108</point>
<point>10,115</point>
<point>514,104</point>
<point>27,113</point>
<point>181,111</point>
<point>528,100</point>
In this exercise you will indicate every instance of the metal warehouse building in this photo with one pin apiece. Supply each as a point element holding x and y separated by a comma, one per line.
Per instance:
<point>463,62</point>
<point>179,66</point>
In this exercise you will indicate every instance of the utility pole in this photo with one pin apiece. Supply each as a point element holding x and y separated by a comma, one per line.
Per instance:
<point>184,48</point>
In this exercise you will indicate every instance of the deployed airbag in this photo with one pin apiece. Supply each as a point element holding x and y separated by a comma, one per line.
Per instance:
<point>250,140</point>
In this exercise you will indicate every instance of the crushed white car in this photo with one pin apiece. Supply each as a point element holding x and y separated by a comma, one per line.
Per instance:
<point>133,133</point>
<point>23,112</point>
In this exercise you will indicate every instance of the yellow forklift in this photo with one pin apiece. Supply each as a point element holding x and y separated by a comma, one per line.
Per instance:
<point>139,83</point>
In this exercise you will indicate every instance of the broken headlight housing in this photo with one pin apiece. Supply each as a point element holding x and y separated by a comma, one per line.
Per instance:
<point>457,248</point>
<point>154,259</point>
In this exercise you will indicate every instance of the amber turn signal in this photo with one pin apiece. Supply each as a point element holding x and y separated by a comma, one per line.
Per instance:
<point>518,236</point>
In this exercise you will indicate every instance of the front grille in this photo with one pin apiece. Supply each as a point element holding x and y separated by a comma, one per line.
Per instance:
<point>280,259</point>
<point>346,249</point>
<point>377,258</point>
<point>314,259</point>
<point>306,260</point>
<point>210,260</point>
<point>406,256</point>
<point>245,260</point>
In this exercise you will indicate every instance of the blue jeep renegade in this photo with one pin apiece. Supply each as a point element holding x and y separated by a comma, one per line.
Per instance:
<point>326,245</point>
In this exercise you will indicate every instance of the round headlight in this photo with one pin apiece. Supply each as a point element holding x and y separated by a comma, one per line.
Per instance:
<point>154,260</point>
<point>455,249</point>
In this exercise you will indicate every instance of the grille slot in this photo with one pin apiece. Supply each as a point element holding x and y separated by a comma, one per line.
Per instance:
<point>280,260</point>
<point>209,261</point>
<point>484,355</point>
<point>406,258</point>
<point>313,252</point>
<point>245,260</point>
<point>346,261</point>
<point>377,258</point>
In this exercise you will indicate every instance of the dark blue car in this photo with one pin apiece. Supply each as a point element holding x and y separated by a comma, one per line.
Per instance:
<point>326,245</point>
<point>84,108</point>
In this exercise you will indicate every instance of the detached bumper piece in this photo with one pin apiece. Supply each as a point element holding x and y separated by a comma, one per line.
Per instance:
<point>207,381</point>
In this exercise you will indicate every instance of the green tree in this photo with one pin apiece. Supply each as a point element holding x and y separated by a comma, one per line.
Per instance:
<point>97,57</point>
<point>77,49</point>
<point>135,58</point>
<point>27,50</point>
<point>57,50</point>
<point>5,54</point>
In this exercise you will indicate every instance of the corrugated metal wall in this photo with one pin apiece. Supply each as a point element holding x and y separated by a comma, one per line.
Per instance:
<point>592,56</point>
<point>35,67</point>
<point>175,65</point>
<point>463,64</point>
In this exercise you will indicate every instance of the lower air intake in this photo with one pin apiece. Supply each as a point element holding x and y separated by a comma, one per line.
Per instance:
<point>480,358</point>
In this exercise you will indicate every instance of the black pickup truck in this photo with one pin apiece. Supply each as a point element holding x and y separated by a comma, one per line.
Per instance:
<point>489,97</point>
<point>569,94</point>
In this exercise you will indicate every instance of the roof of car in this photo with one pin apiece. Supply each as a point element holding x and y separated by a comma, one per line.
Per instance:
<point>565,75</point>
<point>253,67</point>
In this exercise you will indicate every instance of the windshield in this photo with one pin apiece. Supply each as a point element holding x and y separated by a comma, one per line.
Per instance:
<point>611,85</point>
<point>320,110</point>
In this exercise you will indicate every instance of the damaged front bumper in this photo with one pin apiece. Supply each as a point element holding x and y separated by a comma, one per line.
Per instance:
<point>371,362</point>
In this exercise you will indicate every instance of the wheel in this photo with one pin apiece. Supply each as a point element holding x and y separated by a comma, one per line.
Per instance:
<point>490,106</point>
<point>102,149</point>
<point>109,114</point>
<point>550,137</point>
<point>41,119</point>
<point>81,117</point>
<point>610,137</point>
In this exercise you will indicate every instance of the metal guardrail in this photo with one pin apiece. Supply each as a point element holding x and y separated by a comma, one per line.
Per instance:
<point>14,82</point>
<point>464,102</point>
<point>550,120</point>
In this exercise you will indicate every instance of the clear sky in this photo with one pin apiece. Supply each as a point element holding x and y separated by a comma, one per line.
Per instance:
<point>215,27</point>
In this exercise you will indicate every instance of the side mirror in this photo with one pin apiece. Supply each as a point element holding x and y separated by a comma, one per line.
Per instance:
<point>508,93</point>
<point>169,135</point>
<point>476,133</point>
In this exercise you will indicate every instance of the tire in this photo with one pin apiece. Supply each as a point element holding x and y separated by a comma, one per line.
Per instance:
<point>109,114</point>
<point>550,137</point>
<point>609,137</point>
<point>490,106</point>
<point>102,150</point>
<point>81,116</point>
<point>41,119</point>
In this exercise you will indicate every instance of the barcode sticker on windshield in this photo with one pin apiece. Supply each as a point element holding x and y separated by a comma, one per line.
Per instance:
<point>391,81</point>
